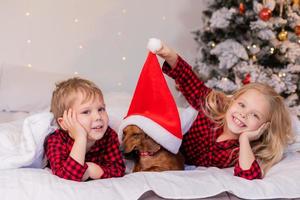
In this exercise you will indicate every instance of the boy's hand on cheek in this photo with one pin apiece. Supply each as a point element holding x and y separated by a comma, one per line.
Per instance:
<point>74,128</point>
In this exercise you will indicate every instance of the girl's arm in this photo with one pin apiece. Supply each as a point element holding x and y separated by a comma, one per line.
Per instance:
<point>169,55</point>
<point>157,47</point>
<point>189,84</point>
<point>247,165</point>
<point>246,156</point>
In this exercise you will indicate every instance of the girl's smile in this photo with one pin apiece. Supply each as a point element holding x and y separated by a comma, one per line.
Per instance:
<point>248,112</point>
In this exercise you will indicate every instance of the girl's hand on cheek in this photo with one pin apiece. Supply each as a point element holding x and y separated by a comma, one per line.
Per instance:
<point>254,135</point>
<point>74,128</point>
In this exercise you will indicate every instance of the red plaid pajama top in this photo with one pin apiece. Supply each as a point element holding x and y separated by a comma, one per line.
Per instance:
<point>199,145</point>
<point>105,152</point>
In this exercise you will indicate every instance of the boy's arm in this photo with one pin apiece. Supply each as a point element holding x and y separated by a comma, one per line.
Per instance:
<point>93,171</point>
<point>61,163</point>
<point>70,123</point>
<point>113,164</point>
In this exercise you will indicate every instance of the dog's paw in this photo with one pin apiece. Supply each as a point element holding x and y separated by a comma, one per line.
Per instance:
<point>154,45</point>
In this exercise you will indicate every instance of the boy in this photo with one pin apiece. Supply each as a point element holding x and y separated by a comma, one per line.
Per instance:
<point>84,147</point>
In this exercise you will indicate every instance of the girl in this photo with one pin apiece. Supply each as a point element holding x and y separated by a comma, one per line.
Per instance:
<point>248,130</point>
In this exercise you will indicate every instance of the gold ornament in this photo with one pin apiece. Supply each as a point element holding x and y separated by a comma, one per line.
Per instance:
<point>282,36</point>
<point>253,58</point>
<point>296,4</point>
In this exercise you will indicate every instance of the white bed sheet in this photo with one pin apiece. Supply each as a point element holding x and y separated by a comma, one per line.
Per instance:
<point>283,181</point>
<point>23,148</point>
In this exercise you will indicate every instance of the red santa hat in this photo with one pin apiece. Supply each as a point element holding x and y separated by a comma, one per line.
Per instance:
<point>153,108</point>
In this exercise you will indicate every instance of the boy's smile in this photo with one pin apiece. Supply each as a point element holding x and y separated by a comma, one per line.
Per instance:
<point>91,114</point>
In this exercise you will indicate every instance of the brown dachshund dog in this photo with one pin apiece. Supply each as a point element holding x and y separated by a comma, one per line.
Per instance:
<point>147,154</point>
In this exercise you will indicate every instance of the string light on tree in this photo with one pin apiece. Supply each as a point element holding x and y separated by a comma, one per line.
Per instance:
<point>212,44</point>
<point>224,79</point>
<point>281,74</point>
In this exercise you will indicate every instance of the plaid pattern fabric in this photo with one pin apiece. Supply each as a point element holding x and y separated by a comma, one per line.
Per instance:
<point>199,145</point>
<point>105,152</point>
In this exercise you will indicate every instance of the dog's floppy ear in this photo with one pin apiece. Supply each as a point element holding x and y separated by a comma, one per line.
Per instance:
<point>150,145</point>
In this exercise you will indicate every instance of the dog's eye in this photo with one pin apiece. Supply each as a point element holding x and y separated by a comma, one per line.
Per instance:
<point>136,135</point>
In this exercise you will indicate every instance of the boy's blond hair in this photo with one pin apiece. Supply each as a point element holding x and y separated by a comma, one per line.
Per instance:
<point>64,94</point>
<point>269,148</point>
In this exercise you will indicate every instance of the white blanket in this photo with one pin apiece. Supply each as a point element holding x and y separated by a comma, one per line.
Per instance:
<point>21,144</point>
<point>21,141</point>
<point>283,181</point>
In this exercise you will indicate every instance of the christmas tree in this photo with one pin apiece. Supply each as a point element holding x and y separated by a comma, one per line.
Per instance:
<point>245,41</point>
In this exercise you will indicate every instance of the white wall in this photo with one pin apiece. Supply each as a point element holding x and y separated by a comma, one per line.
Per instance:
<point>107,30</point>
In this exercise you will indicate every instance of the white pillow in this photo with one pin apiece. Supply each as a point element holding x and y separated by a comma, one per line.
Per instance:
<point>296,130</point>
<point>117,105</point>
<point>26,89</point>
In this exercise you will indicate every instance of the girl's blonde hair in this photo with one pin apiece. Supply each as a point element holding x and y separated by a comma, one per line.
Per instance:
<point>269,148</point>
<point>65,92</point>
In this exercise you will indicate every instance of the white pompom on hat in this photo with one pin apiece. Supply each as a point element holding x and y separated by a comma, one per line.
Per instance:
<point>153,108</point>
<point>154,45</point>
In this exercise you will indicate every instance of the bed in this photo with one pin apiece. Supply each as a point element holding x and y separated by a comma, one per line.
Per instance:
<point>24,126</point>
